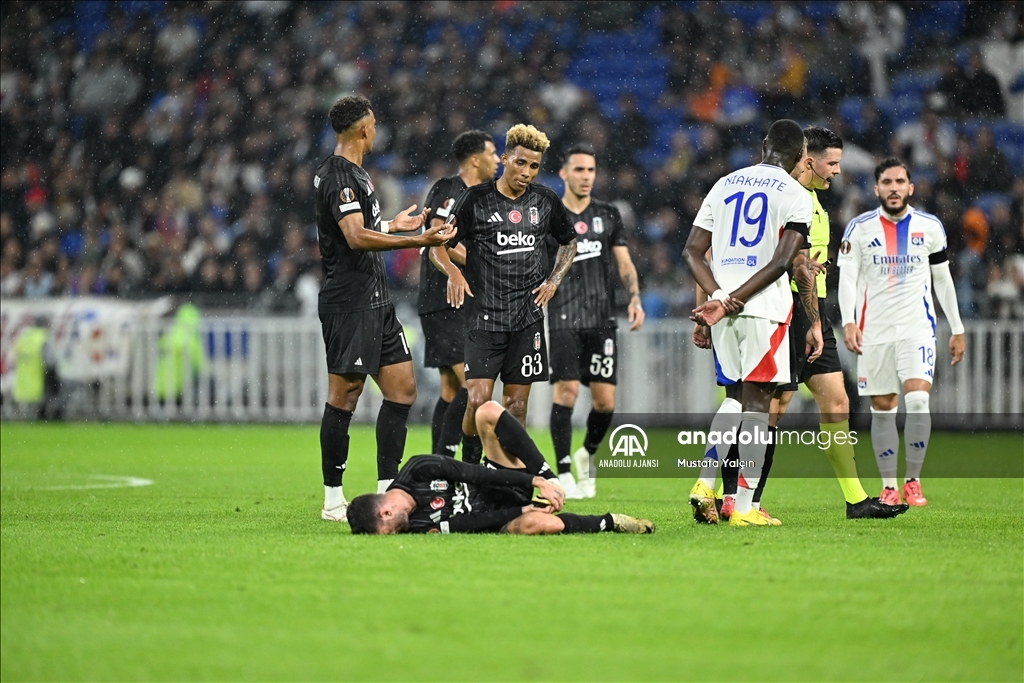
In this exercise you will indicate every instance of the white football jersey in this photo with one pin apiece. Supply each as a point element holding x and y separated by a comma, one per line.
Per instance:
<point>894,287</point>
<point>746,212</point>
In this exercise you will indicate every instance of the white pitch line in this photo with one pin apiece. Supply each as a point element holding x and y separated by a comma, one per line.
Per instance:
<point>112,482</point>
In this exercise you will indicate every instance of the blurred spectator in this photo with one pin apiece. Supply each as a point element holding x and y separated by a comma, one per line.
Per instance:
<point>561,96</point>
<point>970,265</point>
<point>881,27</point>
<point>988,170</point>
<point>630,133</point>
<point>105,83</point>
<point>979,93</point>
<point>924,141</point>
<point>37,283</point>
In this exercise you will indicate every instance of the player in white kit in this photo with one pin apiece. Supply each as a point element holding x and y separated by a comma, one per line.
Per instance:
<point>755,220</point>
<point>890,261</point>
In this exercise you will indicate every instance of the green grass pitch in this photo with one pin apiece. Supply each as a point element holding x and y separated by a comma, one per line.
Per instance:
<point>223,570</point>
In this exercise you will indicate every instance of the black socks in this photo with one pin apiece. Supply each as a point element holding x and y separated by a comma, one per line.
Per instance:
<point>391,433</point>
<point>334,443</point>
<point>769,457</point>
<point>451,426</point>
<point>586,524</point>
<point>597,427</point>
<point>518,444</point>
<point>561,436</point>
<point>730,471</point>
<point>436,421</point>
<point>472,449</point>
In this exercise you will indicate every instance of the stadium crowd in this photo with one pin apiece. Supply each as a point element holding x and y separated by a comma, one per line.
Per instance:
<point>168,148</point>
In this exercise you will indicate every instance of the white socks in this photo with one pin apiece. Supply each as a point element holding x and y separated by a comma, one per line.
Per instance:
<point>383,484</point>
<point>753,431</point>
<point>727,419</point>
<point>917,432</point>
<point>333,497</point>
<point>886,442</point>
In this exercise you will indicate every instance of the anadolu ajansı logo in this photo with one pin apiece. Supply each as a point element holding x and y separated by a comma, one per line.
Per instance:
<point>628,441</point>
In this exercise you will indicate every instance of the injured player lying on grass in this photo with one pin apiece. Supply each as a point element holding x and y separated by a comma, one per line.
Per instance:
<point>436,493</point>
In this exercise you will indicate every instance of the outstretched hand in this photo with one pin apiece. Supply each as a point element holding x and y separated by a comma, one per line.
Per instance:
<point>404,222</point>
<point>436,236</point>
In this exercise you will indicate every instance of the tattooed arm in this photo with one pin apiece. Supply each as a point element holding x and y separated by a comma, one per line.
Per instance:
<point>563,259</point>
<point>804,274</point>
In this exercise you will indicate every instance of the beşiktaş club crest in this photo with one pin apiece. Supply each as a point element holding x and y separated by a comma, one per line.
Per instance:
<point>609,346</point>
<point>628,440</point>
<point>369,184</point>
<point>580,227</point>
<point>536,342</point>
<point>534,215</point>
<point>515,217</point>
<point>598,224</point>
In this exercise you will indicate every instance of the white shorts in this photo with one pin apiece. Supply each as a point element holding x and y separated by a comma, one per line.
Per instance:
<point>883,368</point>
<point>749,349</point>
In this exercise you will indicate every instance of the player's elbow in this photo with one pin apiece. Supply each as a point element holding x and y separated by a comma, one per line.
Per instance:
<point>690,256</point>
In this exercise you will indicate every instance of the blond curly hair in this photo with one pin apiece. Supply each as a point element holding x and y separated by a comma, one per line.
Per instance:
<point>523,135</point>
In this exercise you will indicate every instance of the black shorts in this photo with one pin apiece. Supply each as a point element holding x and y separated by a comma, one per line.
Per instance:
<point>799,369</point>
<point>444,336</point>
<point>364,342</point>
<point>585,355</point>
<point>519,357</point>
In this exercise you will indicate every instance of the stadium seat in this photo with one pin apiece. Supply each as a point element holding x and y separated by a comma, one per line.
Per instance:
<point>915,83</point>
<point>750,13</point>
<point>852,111</point>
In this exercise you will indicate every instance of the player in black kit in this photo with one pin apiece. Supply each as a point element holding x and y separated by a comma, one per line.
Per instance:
<point>581,320</point>
<point>503,224</point>
<point>434,493</point>
<point>444,326</point>
<point>362,334</point>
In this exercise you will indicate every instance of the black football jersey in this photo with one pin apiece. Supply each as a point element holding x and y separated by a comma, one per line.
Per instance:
<point>453,496</point>
<point>433,294</point>
<point>505,259</point>
<point>586,298</point>
<point>353,280</point>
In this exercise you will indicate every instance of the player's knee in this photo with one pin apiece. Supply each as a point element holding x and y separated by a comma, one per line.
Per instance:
<point>517,406</point>
<point>888,402</point>
<point>839,405</point>
<point>604,404</point>
<point>477,396</point>
<point>488,414</point>
<point>917,401</point>
<point>344,395</point>
<point>565,393</point>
